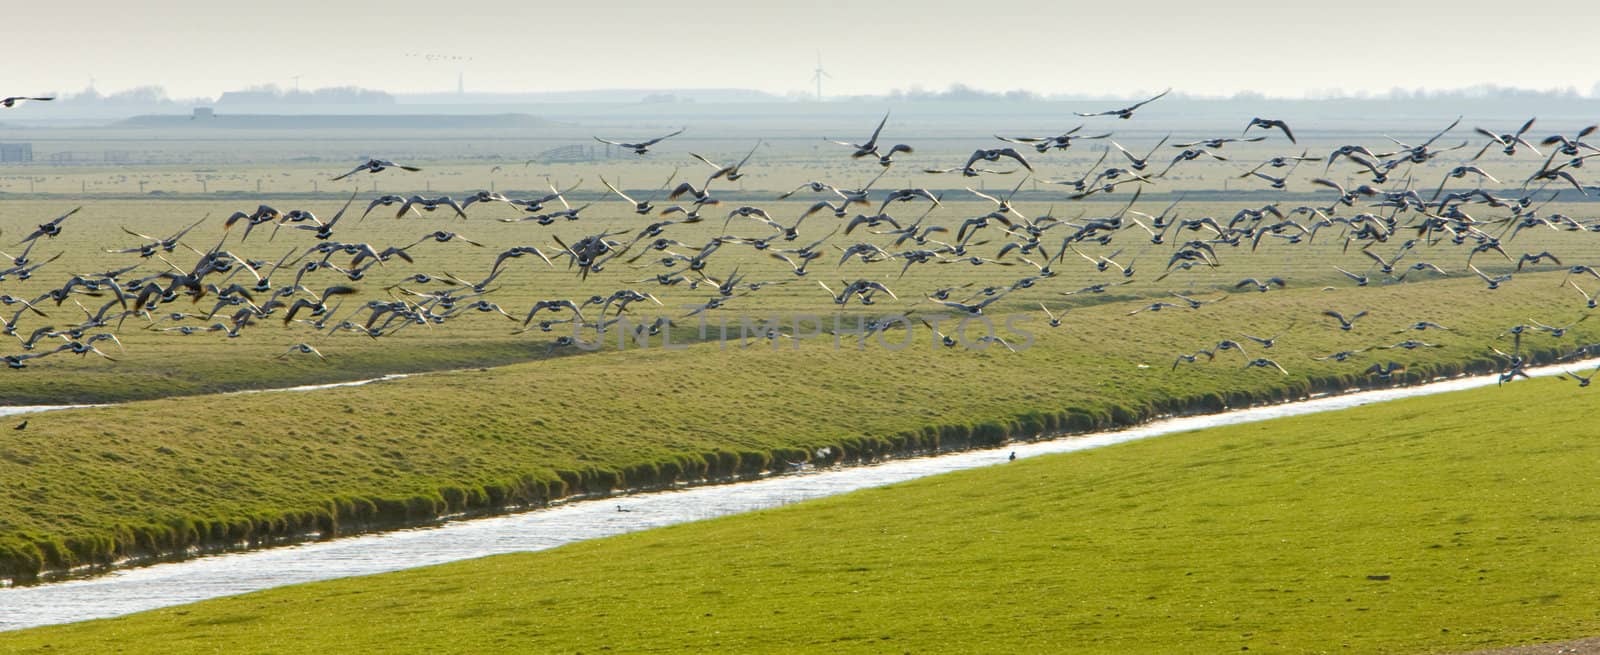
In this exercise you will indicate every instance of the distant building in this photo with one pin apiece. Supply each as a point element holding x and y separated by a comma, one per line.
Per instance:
<point>16,152</point>
<point>203,113</point>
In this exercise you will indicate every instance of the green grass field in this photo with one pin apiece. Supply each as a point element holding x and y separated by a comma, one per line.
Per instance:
<point>223,470</point>
<point>1440,524</point>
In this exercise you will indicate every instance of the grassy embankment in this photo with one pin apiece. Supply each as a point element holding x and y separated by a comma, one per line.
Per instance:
<point>1439,524</point>
<point>167,476</point>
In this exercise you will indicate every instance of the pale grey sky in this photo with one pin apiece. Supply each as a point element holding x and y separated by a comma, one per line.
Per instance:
<point>201,48</point>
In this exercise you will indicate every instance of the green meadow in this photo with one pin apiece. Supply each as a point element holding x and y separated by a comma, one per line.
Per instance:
<point>152,478</point>
<point>1430,525</point>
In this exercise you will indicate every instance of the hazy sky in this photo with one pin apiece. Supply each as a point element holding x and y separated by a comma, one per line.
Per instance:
<point>201,48</point>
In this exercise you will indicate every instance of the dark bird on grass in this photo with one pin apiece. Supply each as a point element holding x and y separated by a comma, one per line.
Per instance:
<point>12,101</point>
<point>1012,458</point>
<point>1346,324</point>
<point>870,147</point>
<point>24,425</point>
<point>1126,112</point>
<point>376,166</point>
<point>49,229</point>
<point>1262,362</point>
<point>1268,124</point>
<point>641,147</point>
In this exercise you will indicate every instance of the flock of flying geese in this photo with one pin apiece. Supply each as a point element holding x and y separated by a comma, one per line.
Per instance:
<point>1386,220</point>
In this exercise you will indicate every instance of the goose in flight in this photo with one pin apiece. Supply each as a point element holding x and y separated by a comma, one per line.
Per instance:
<point>641,147</point>
<point>1494,282</point>
<point>1193,358</point>
<point>1508,142</point>
<point>888,158</point>
<point>1268,124</point>
<point>870,147</point>
<point>1044,144</point>
<point>732,173</point>
<point>1262,362</point>
<point>1055,321</point>
<point>994,155</point>
<point>1262,286</point>
<point>1582,380</point>
<point>12,101</point>
<point>1346,324</point>
<point>639,206</point>
<point>385,201</point>
<point>376,166</point>
<point>429,204</point>
<point>1340,356</point>
<point>1219,142</point>
<point>1571,147</point>
<point>1140,163</point>
<point>303,348</point>
<point>1385,371</point>
<point>1126,112</point>
<point>49,229</point>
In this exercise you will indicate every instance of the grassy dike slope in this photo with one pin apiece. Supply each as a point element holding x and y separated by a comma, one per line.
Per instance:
<point>1260,536</point>
<point>165,476</point>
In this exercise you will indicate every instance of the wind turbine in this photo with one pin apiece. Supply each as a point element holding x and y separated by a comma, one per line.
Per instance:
<point>819,75</point>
